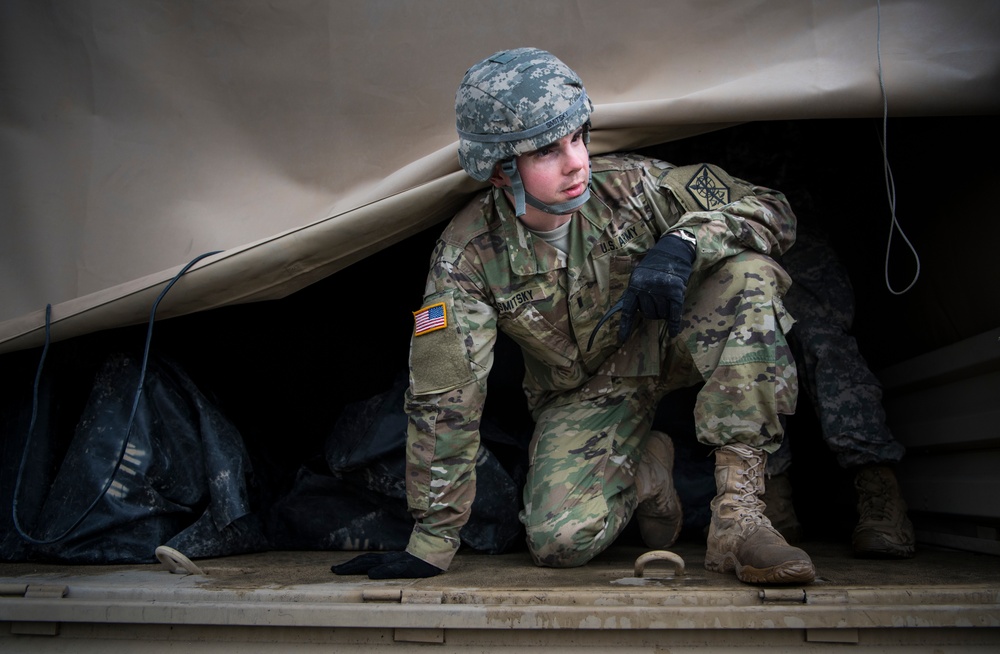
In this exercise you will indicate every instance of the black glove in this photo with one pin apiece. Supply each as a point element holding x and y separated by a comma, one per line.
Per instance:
<point>387,565</point>
<point>656,288</point>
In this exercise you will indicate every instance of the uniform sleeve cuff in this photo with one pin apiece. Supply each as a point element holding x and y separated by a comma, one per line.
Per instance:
<point>433,549</point>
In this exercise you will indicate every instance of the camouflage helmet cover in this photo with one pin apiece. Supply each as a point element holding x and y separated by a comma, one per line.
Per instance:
<point>514,102</point>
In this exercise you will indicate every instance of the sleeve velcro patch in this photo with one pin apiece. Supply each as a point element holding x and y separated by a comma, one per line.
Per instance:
<point>439,360</point>
<point>704,187</point>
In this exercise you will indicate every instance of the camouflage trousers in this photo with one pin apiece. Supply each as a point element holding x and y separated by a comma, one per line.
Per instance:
<point>580,490</point>
<point>846,395</point>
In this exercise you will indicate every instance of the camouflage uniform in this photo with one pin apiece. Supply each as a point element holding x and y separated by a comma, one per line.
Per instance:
<point>593,408</point>
<point>845,393</point>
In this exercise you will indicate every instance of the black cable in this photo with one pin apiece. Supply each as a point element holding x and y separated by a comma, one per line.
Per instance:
<point>128,430</point>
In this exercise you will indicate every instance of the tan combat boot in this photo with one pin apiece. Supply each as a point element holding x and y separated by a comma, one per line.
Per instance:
<point>659,513</point>
<point>779,509</point>
<point>740,537</point>
<point>883,530</point>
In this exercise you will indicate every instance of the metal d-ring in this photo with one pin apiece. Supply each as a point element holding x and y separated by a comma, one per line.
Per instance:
<point>659,555</point>
<point>176,562</point>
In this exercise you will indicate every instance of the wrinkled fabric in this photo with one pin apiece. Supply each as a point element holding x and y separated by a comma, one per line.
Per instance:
<point>362,504</point>
<point>184,480</point>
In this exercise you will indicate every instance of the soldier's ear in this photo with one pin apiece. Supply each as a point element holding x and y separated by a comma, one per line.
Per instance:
<point>498,178</point>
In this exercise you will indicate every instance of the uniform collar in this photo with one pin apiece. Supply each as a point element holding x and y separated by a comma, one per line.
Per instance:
<point>530,255</point>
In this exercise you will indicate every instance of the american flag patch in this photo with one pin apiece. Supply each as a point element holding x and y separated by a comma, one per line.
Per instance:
<point>429,319</point>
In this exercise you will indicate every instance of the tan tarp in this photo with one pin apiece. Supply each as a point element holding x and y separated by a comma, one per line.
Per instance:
<point>298,137</point>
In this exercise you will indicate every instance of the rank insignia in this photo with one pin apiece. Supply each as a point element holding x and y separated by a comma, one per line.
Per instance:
<point>429,319</point>
<point>708,190</point>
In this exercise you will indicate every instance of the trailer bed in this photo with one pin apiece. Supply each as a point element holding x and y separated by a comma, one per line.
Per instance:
<point>941,600</point>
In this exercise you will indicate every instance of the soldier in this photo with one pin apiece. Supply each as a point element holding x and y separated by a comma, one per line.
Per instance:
<point>847,398</point>
<point>621,278</point>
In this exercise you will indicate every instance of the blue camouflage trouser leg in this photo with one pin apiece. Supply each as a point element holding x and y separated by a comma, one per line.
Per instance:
<point>580,491</point>
<point>846,395</point>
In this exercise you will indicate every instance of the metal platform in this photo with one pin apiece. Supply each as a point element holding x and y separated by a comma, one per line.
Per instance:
<point>938,601</point>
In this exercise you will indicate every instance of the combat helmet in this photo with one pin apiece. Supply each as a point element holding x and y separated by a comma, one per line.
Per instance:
<point>514,102</point>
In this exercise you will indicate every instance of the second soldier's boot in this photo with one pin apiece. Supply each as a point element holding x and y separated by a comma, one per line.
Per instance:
<point>884,530</point>
<point>779,508</point>
<point>659,513</point>
<point>741,539</point>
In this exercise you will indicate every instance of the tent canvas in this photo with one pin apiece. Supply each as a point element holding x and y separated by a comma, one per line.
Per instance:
<point>299,137</point>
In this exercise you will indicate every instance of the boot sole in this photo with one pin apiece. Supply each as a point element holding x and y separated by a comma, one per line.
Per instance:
<point>868,545</point>
<point>790,572</point>
<point>884,552</point>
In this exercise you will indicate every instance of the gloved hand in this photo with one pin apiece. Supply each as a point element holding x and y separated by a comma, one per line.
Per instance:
<point>656,288</point>
<point>387,565</point>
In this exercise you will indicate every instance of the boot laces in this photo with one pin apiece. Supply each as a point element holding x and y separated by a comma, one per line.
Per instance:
<point>876,494</point>
<point>748,491</point>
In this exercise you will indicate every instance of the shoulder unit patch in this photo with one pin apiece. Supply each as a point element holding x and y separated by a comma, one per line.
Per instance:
<point>704,187</point>
<point>708,189</point>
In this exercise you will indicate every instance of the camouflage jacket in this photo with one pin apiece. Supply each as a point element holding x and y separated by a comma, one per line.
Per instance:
<point>489,272</point>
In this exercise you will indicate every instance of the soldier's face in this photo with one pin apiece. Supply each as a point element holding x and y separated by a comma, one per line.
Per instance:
<point>557,173</point>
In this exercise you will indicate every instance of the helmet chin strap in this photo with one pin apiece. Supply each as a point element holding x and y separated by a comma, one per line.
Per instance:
<point>521,196</point>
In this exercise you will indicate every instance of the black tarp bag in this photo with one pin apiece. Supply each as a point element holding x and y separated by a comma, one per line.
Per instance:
<point>151,462</point>
<point>355,499</point>
<point>166,468</point>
